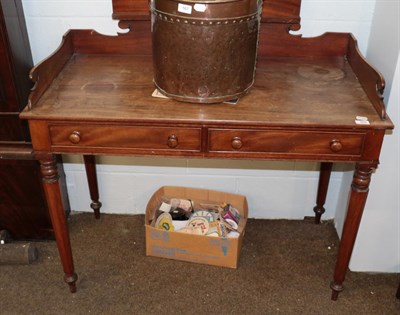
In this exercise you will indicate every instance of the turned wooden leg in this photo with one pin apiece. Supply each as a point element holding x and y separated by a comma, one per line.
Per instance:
<point>51,185</point>
<point>324,176</point>
<point>358,198</point>
<point>90,166</point>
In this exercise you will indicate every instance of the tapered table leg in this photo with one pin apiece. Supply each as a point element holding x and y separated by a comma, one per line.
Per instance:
<point>358,198</point>
<point>90,166</point>
<point>51,185</point>
<point>324,176</point>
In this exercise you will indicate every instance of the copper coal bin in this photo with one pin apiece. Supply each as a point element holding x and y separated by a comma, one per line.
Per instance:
<point>205,51</point>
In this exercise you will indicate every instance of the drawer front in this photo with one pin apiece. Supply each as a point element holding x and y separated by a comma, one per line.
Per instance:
<point>285,142</point>
<point>128,137</point>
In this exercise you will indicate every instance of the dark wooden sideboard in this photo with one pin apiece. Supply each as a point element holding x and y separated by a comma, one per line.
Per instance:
<point>93,97</point>
<point>23,207</point>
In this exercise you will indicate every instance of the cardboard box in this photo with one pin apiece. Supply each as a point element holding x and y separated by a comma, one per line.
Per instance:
<point>203,249</point>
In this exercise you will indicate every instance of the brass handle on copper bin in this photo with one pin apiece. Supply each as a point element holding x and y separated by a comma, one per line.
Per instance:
<point>75,137</point>
<point>336,145</point>
<point>237,143</point>
<point>172,141</point>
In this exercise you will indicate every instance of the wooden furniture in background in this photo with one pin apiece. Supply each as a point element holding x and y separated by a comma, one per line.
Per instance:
<point>23,207</point>
<point>93,97</point>
<point>398,292</point>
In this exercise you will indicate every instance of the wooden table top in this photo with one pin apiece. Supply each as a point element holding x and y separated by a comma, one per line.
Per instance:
<point>296,92</point>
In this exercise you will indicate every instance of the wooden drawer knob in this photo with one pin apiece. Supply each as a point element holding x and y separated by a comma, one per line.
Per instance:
<point>336,145</point>
<point>172,141</point>
<point>75,137</point>
<point>237,143</point>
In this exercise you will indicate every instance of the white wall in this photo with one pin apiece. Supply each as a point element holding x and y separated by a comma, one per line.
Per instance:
<point>354,16</point>
<point>378,243</point>
<point>274,189</point>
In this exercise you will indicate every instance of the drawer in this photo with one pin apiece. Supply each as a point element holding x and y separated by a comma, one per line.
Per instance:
<point>128,137</point>
<point>286,142</point>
